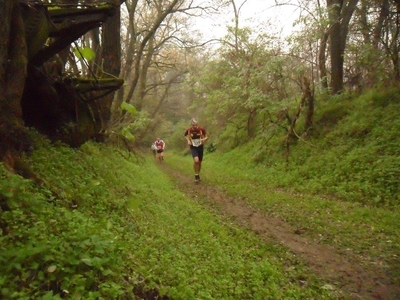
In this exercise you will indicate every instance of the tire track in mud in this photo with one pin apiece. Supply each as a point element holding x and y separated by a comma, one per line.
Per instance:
<point>354,275</point>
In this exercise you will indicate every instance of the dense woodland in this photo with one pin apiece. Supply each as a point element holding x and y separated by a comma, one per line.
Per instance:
<point>126,71</point>
<point>300,193</point>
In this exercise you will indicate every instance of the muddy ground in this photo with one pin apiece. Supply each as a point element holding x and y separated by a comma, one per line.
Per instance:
<point>347,272</point>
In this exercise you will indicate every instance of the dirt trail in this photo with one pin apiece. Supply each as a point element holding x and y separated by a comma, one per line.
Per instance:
<point>349,273</point>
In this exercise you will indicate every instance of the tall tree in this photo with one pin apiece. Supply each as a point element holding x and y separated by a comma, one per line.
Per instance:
<point>35,89</point>
<point>340,13</point>
<point>111,59</point>
<point>155,32</point>
<point>13,61</point>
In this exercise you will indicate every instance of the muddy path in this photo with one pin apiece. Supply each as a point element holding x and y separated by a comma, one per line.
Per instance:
<point>356,276</point>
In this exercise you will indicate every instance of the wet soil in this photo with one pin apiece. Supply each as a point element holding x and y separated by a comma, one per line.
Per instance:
<point>348,272</point>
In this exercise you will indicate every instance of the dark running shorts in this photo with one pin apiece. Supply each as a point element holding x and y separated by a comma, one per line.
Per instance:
<point>197,151</point>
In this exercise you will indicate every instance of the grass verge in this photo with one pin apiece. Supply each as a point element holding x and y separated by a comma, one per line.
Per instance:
<point>98,223</point>
<point>369,231</point>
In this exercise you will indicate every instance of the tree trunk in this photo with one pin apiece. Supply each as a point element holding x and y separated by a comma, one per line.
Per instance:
<point>29,93</point>
<point>162,14</point>
<point>340,12</point>
<point>111,60</point>
<point>323,75</point>
<point>383,14</point>
<point>307,97</point>
<point>336,47</point>
<point>13,63</point>
<point>142,83</point>
<point>129,55</point>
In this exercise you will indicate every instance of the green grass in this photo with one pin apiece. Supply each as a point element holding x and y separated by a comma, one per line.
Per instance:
<point>341,182</point>
<point>97,223</point>
<point>369,230</point>
<point>328,217</point>
<point>100,223</point>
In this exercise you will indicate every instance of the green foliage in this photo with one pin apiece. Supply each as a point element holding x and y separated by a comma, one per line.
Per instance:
<point>176,139</point>
<point>127,130</point>
<point>84,53</point>
<point>62,241</point>
<point>129,108</point>
<point>96,223</point>
<point>211,147</point>
<point>250,81</point>
<point>351,153</point>
<point>137,121</point>
<point>127,134</point>
<point>365,228</point>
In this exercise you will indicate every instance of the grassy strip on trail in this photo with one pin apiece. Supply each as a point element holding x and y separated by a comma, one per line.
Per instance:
<point>95,223</point>
<point>196,256</point>
<point>370,231</point>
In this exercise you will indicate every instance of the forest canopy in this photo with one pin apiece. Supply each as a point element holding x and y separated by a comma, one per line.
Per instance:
<point>128,70</point>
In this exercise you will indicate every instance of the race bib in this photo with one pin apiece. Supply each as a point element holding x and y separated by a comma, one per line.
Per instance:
<point>196,142</point>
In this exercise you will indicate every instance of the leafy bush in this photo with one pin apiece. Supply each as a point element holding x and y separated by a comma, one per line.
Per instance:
<point>53,250</point>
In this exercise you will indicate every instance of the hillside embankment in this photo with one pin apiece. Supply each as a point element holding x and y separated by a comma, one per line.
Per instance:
<point>356,275</point>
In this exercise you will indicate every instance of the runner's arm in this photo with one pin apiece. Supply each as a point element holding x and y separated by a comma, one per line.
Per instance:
<point>188,138</point>
<point>205,137</point>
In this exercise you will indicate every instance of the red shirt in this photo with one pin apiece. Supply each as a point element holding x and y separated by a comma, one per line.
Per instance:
<point>195,133</point>
<point>160,144</point>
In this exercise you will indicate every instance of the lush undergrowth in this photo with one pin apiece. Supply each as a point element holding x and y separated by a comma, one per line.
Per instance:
<point>341,182</point>
<point>353,152</point>
<point>369,230</point>
<point>98,223</point>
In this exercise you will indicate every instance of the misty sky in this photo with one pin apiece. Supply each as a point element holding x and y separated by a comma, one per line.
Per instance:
<point>261,15</point>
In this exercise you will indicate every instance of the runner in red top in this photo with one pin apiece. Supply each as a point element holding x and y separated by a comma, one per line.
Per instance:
<point>195,137</point>
<point>160,144</point>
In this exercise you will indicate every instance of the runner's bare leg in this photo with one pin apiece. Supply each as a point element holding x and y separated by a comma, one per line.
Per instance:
<point>196,165</point>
